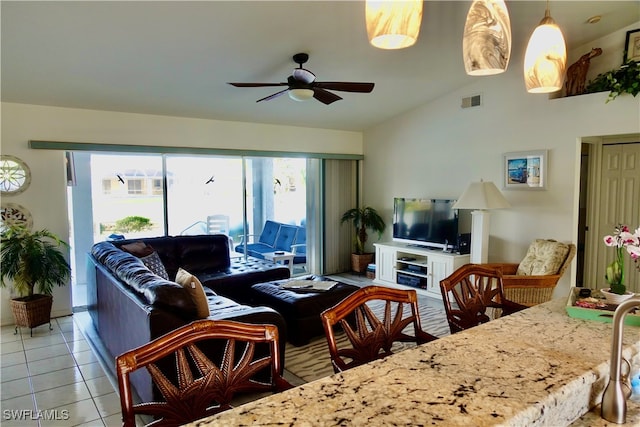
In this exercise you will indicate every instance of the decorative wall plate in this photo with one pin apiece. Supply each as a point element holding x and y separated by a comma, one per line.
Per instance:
<point>15,214</point>
<point>15,175</point>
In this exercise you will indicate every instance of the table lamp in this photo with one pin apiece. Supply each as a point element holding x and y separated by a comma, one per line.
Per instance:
<point>481,196</point>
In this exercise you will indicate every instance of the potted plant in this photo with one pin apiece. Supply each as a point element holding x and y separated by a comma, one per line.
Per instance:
<point>625,79</point>
<point>34,263</point>
<point>623,241</point>
<point>363,219</point>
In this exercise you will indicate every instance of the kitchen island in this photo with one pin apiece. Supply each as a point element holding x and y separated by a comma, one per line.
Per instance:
<point>538,367</point>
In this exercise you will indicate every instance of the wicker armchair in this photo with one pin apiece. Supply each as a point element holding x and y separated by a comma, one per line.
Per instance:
<point>533,289</point>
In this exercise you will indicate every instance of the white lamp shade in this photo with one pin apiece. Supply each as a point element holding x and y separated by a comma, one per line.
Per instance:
<point>300,94</point>
<point>481,195</point>
<point>486,43</point>
<point>546,58</point>
<point>393,24</point>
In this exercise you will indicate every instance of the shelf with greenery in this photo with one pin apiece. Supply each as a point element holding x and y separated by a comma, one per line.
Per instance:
<point>624,80</point>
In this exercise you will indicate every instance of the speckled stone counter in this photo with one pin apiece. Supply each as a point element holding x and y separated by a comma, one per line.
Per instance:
<point>538,367</point>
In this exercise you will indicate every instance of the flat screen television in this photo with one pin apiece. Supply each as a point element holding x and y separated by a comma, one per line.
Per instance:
<point>431,223</point>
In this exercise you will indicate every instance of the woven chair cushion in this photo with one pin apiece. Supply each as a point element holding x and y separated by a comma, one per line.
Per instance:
<point>544,257</point>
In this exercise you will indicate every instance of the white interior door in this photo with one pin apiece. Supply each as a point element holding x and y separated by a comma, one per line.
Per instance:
<point>619,204</point>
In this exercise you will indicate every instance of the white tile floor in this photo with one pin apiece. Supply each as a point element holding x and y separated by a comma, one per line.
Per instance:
<point>54,379</point>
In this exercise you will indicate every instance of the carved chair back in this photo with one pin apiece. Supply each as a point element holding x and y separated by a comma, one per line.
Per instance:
<point>473,294</point>
<point>370,337</point>
<point>201,384</point>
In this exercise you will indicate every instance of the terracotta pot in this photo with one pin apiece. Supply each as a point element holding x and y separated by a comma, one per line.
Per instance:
<point>359,262</point>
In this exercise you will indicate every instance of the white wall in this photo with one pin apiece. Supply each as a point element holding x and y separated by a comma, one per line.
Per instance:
<point>46,197</point>
<point>439,148</point>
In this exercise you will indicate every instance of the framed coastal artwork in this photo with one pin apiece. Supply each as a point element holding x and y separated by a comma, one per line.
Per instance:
<point>525,170</point>
<point>632,46</point>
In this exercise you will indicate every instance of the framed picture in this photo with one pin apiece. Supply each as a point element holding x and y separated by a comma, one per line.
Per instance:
<point>525,170</point>
<point>632,46</point>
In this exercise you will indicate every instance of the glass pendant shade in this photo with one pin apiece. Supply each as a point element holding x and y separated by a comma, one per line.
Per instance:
<point>545,60</point>
<point>300,94</point>
<point>486,43</point>
<point>393,24</point>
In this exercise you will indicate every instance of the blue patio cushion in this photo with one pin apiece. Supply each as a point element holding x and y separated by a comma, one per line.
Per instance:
<point>269,233</point>
<point>301,251</point>
<point>301,239</point>
<point>286,237</point>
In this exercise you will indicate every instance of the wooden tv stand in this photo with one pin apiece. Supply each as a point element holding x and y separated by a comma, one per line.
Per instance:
<point>401,265</point>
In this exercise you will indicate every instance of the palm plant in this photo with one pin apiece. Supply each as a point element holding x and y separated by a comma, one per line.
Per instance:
<point>32,260</point>
<point>365,218</point>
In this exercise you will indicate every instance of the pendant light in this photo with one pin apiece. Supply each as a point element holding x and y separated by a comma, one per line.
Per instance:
<point>546,57</point>
<point>486,43</point>
<point>393,24</point>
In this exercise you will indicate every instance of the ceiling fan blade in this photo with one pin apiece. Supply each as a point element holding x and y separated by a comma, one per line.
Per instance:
<point>275,95</point>
<point>346,86</point>
<point>303,75</point>
<point>257,84</point>
<point>325,96</point>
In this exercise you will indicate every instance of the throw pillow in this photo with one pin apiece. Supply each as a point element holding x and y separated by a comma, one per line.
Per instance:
<point>139,249</point>
<point>544,257</point>
<point>196,290</point>
<point>154,263</point>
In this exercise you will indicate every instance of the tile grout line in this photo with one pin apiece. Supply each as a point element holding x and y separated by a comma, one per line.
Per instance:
<point>77,365</point>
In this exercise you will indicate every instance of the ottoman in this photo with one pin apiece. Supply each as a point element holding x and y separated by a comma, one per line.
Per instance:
<point>300,309</point>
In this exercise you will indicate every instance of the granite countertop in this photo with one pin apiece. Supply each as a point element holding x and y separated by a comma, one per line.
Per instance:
<point>538,367</point>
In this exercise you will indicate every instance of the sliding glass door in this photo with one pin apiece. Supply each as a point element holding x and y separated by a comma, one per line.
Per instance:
<point>127,196</point>
<point>143,195</point>
<point>204,195</point>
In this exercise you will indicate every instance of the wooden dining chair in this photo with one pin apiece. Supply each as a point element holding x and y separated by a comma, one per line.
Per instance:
<point>192,385</point>
<point>474,294</point>
<point>369,337</point>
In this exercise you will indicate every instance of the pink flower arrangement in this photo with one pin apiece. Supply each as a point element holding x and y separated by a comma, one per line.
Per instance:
<point>622,240</point>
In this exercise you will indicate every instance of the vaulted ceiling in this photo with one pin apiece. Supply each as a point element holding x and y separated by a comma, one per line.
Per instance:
<point>175,58</point>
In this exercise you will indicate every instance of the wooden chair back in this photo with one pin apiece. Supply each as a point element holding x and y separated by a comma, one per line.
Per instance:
<point>370,337</point>
<point>472,295</point>
<point>201,387</point>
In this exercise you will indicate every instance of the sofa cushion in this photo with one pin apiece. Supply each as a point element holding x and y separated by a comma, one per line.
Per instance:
<point>286,236</point>
<point>139,249</point>
<point>544,257</point>
<point>154,263</point>
<point>269,233</point>
<point>195,289</point>
<point>133,273</point>
<point>203,253</point>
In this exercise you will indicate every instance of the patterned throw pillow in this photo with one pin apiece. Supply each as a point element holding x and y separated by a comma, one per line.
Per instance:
<point>544,257</point>
<point>196,290</point>
<point>154,263</point>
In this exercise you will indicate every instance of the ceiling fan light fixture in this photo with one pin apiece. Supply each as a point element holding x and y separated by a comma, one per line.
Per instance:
<point>393,24</point>
<point>300,94</point>
<point>545,60</point>
<point>486,43</point>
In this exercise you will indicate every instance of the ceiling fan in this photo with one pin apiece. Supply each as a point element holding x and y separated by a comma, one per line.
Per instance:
<point>302,85</point>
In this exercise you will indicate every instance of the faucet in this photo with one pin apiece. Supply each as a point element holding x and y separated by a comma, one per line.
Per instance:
<point>614,399</point>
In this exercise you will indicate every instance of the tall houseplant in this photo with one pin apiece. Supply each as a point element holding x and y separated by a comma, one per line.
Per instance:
<point>363,219</point>
<point>34,263</point>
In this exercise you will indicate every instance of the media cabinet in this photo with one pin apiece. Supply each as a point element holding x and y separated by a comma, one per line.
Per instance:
<point>402,265</point>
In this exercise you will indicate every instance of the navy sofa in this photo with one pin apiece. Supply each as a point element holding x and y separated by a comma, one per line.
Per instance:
<point>277,236</point>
